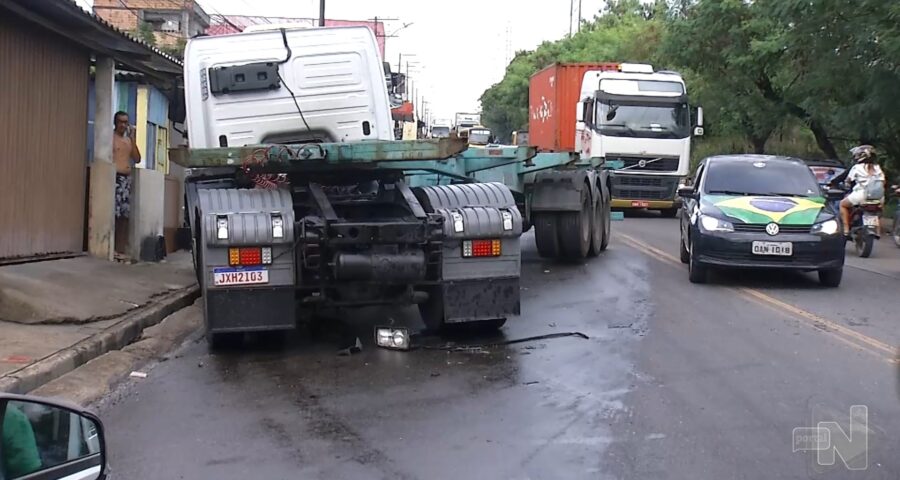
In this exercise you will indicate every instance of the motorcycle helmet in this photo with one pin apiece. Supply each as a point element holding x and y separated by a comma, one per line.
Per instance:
<point>863,154</point>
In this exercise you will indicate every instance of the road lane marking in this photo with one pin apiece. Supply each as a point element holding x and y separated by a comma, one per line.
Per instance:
<point>836,330</point>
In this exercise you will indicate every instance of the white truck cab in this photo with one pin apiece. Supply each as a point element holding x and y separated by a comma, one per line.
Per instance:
<point>286,85</point>
<point>638,120</point>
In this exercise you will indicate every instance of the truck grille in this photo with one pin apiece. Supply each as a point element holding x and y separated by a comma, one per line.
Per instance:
<point>761,228</point>
<point>651,164</point>
<point>643,187</point>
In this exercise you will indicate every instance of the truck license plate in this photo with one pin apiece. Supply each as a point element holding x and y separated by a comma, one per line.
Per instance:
<point>640,204</point>
<point>784,249</point>
<point>870,220</point>
<point>240,276</point>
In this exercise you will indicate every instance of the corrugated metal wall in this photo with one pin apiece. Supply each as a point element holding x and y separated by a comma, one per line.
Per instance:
<point>43,140</point>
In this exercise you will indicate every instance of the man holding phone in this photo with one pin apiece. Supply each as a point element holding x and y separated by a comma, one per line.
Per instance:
<point>125,155</point>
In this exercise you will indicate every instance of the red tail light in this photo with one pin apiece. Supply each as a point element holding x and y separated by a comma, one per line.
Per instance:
<point>481,248</point>
<point>247,256</point>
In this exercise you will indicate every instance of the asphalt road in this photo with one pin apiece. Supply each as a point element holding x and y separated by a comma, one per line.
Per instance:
<point>676,381</point>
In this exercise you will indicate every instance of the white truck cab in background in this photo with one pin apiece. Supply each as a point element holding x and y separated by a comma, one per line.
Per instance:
<point>250,88</point>
<point>638,120</point>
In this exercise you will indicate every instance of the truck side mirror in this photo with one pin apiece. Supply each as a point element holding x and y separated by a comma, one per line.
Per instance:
<point>700,116</point>
<point>698,131</point>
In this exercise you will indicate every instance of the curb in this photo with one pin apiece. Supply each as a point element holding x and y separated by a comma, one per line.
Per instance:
<point>101,376</point>
<point>112,338</point>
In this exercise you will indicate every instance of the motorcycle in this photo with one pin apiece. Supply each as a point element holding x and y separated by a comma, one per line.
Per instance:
<point>864,225</point>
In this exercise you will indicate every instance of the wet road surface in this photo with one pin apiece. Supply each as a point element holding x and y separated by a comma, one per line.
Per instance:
<point>675,381</point>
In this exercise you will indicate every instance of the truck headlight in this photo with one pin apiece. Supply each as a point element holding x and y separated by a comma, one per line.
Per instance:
<point>713,224</point>
<point>828,227</point>
<point>393,338</point>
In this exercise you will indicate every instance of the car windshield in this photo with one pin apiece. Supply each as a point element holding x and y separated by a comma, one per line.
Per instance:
<point>440,132</point>
<point>653,121</point>
<point>772,178</point>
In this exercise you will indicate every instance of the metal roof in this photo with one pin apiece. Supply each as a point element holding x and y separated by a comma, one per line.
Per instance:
<point>67,18</point>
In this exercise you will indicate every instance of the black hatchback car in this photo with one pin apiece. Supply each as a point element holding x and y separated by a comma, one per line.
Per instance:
<point>757,211</point>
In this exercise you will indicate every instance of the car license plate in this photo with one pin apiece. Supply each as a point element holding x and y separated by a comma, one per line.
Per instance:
<point>640,204</point>
<point>240,276</point>
<point>784,249</point>
<point>870,220</point>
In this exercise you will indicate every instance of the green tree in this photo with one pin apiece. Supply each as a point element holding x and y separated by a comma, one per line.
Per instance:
<point>625,30</point>
<point>145,33</point>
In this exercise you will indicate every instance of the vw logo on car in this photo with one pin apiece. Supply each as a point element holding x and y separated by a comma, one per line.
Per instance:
<point>772,229</point>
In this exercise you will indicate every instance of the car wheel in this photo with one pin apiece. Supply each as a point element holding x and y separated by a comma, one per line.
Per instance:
<point>685,254</point>
<point>697,273</point>
<point>831,277</point>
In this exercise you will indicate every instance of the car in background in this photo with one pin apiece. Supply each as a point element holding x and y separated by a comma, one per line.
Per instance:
<point>825,169</point>
<point>759,211</point>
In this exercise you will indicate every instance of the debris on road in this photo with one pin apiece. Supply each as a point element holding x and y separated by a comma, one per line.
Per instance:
<point>137,374</point>
<point>482,348</point>
<point>353,349</point>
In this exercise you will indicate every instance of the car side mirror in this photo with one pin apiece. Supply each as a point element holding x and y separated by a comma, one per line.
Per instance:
<point>52,440</point>
<point>834,194</point>
<point>686,192</point>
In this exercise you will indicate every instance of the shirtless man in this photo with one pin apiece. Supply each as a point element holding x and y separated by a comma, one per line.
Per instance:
<point>125,155</point>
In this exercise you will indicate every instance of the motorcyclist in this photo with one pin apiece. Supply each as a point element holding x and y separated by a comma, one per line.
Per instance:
<point>865,176</point>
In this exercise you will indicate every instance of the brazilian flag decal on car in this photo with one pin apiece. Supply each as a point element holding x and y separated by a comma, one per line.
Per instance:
<point>781,210</point>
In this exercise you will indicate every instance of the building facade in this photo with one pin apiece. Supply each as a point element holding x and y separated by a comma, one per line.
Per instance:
<point>172,21</point>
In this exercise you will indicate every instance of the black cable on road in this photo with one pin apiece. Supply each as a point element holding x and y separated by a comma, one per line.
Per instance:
<point>463,348</point>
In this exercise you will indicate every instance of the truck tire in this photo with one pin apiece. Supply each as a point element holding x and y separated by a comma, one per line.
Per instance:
<point>607,225</point>
<point>546,234</point>
<point>605,219</point>
<point>575,229</point>
<point>598,225</point>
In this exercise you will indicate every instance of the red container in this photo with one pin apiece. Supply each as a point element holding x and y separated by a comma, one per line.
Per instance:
<point>553,102</point>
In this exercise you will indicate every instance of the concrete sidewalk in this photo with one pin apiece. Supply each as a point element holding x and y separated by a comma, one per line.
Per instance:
<point>57,315</point>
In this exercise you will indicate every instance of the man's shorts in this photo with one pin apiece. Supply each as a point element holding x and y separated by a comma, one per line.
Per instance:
<point>123,196</point>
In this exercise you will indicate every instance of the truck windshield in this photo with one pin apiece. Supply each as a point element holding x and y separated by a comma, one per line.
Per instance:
<point>646,121</point>
<point>479,137</point>
<point>440,132</point>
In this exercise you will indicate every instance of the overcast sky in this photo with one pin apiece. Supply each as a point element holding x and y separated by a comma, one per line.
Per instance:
<point>461,47</point>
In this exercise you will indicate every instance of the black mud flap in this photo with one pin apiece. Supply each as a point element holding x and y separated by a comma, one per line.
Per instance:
<point>246,310</point>
<point>472,301</point>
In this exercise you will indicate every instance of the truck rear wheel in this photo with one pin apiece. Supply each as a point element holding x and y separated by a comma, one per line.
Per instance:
<point>598,224</point>
<point>546,234</point>
<point>575,229</point>
<point>603,219</point>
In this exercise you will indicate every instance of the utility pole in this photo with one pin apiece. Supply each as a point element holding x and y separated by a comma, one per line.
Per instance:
<point>571,11</point>
<point>579,15</point>
<point>321,13</point>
